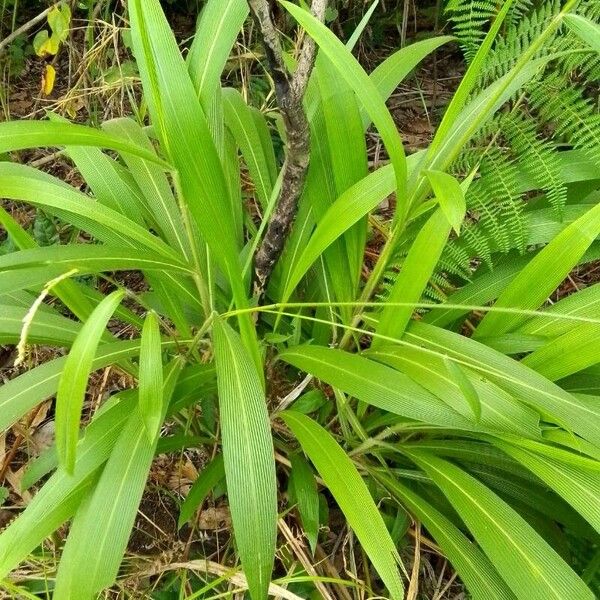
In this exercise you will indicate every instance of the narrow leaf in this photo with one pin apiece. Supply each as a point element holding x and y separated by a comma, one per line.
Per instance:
<point>74,378</point>
<point>532,569</point>
<point>303,487</point>
<point>450,196</point>
<point>418,267</point>
<point>375,384</point>
<point>100,530</point>
<point>151,380</point>
<point>585,29</point>
<point>542,275</point>
<point>466,387</point>
<point>349,68</point>
<point>249,457</point>
<point>210,476</point>
<point>21,135</point>
<point>473,566</point>
<point>351,494</point>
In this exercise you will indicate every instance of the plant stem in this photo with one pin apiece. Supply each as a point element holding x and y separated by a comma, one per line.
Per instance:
<point>289,91</point>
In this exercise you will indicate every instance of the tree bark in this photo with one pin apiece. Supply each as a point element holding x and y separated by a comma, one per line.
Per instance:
<point>289,91</point>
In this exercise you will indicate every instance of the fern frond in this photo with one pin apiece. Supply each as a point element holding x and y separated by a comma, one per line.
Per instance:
<point>470,19</point>
<point>575,118</point>
<point>536,156</point>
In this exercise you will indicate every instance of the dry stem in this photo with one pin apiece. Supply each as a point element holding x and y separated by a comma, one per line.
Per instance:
<point>289,91</point>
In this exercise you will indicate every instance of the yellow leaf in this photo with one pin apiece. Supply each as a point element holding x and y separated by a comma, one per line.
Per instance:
<point>48,78</point>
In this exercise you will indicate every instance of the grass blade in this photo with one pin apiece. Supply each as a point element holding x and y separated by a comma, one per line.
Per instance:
<point>586,30</point>
<point>60,496</point>
<point>210,476</point>
<point>100,529</point>
<point>249,458</point>
<point>542,275</point>
<point>500,412</point>
<point>151,377</point>
<point>74,378</point>
<point>579,486</point>
<point>21,135</point>
<point>532,569</point>
<point>350,492</point>
<point>303,489</point>
<point>412,280</point>
<point>473,566</point>
<point>219,26</point>
<point>348,68</point>
<point>375,384</point>
<point>524,384</point>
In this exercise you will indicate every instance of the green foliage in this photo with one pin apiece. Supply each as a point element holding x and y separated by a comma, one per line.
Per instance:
<point>555,111</point>
<point>490,440</point>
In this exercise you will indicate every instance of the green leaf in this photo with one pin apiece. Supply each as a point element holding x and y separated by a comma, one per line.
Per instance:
<point>524,384</point>
<point>450,195</point>
<point>22,135</point>
<point>361,26</point>
<point>343,142</point>
<point>569,353</point>
<point>219,26</point>
<point>579,486</point>
<point>469,80</point>
<point>74,378</point>
<point>240,121</point>
<point>150,378</point>
<point>349,69</point>
<point>466,387</point>
<point>19,395</point>
<point>473,566</point>
<point>110,183</point>
<point>92,258</point>
<point>389,74</point>
<point>582,303</point>
<point>375,384</point>
<point>303,489</point>
<point>418,267</point>
<point>68,292</point>
<point>347,210</point>
<point>20,182</point>
<point>153,183</point>
<point>542,275</point>
<point>100,530</point>
<point>350,492</point>
<point>532,569</point>
<point>59,19</point>
<point>587,30</point>
<point>60,496</point>
<point>184,135</point>
<point>500,412</point>
<point>46,328</point>
<point>208,478</point>
<point>249,458</point>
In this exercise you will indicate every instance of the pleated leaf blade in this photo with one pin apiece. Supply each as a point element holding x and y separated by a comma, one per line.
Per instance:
<point>248,456</point>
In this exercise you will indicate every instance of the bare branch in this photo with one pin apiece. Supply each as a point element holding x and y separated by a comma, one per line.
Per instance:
<point>289,90</point>
<point>7,41</point>
<point>306,59</point>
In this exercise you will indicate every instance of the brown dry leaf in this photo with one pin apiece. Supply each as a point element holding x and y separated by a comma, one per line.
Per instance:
<point>214,518</point>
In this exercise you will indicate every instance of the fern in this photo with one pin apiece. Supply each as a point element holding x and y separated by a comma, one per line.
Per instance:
<point>557,110</point>
<point>469,19</point>
<point>576,119</point>
<point>537,156</point>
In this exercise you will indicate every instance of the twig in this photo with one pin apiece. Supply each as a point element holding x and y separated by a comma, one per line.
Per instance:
<point>24,28</point>
<point>289,91</point>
